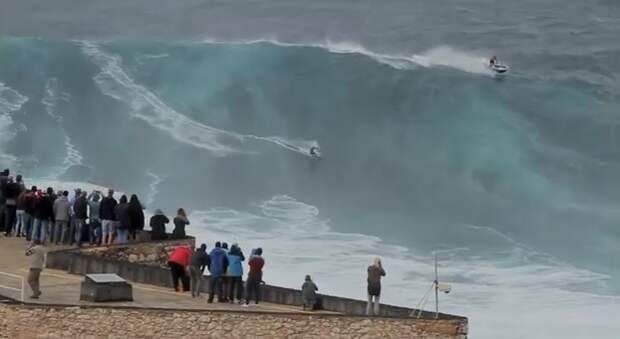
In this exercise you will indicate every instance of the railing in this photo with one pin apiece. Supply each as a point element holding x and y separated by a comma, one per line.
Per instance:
<point>22,284</point>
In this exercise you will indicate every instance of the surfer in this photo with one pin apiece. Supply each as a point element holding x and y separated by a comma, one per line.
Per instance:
<point>493,61</point>
<point>315,152</point>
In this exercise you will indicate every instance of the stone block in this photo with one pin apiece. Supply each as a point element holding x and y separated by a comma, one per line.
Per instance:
<point>105,287</point>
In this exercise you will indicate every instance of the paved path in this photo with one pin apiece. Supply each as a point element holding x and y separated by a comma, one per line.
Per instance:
<point>59,287</point>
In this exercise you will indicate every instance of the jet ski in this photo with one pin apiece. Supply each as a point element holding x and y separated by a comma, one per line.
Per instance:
<point>315,152</point>
<point>499,68</point>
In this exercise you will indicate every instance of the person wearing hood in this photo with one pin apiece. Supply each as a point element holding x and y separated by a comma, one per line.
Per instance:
<point>235,273</point>
<point>180,221</point>
<point>108,218</point>
<point>158,225</point>
<point>136,215</point>
<point>94,222</point>
<point>121,213</point>
<point>219,264</point>
<point>199,261</point>
<point>308,293</point>
<point>179,261</point>
<point>62,214</point>
<point>375,272</point>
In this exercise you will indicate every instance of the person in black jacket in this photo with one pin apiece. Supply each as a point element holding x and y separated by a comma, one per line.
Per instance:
<point>158,225</point>
<point>108,219</point>
<point>4,179</point>
<point>28,202</point>
<point>11,193</point>
<point>137,216</point>
<point>43,211</point>
<point>80,213</point>
<point>121,212</point>
<point>50,225</point>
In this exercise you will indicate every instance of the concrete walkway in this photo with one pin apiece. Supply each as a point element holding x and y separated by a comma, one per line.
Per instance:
<point>61,288</point>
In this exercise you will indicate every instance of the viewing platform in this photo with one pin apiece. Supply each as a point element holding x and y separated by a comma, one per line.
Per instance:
<point>140,264</point>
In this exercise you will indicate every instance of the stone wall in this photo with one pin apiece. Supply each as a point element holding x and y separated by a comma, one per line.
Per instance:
<point>18,321</point>
<point>146,253</point>
<point>75,262</point>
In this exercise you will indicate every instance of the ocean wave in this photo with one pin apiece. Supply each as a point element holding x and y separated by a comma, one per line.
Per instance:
<point>153,188</point>
<point>51,99</point>
<point>440,56</point>
<point>147,106</point>
<point>10,101</point>
<point>528,285</point>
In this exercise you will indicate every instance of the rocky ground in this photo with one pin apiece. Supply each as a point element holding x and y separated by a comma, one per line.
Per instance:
<point>155,254</point>
<point>18,321</point>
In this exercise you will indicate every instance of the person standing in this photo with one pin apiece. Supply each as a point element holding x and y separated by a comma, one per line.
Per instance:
<point>28,201</point>
<point>136,215</point>
<point>121,213</point>
<point>235,273</point>
<point>12,190</point>
<point>38,253</point>
<point>108,218</point>
<point>308,293</point>
<point>80,212</point>
<point>50,224</point>
<point>225,278</point>
<point>179,261</point>
<point>4,179</point>
<point>20,181</point>
<point>62,214</point>
<point>219,264</point>
<point>199,261</point>
<point>255,276</point>
<point>180,221</point>
<point>20,223</point>
<point>158,225</point>
<point>375,272</point>
<point>43,212</point>
<point>76,195</point>
<point>94,222</point>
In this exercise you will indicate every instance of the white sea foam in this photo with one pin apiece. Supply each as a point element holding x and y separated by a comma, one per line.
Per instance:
<point>10,101</point>
<point>59,185</point>
<point>296,145</point>
<point>153,190</point>
<point>440,56</point>
<point>155,56</point>
<point>147,106</point>
<point>519,290</point>
<point>73,157</point>
<point>51,99</point>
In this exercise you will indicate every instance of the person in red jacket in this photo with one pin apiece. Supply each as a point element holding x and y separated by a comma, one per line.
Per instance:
<point>179,261</point>
<point>255,276</point>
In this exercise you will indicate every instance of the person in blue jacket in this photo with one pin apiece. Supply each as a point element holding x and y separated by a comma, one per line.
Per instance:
<point>219,264</point>
<point>235,272</point>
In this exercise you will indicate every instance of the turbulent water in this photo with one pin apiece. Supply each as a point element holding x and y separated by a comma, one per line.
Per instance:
<point>513,180</point>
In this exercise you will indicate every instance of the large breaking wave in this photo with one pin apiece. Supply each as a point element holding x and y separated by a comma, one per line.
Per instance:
<point>509,179</point>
